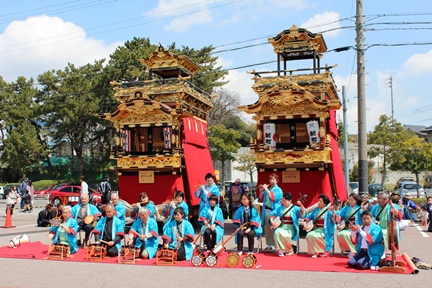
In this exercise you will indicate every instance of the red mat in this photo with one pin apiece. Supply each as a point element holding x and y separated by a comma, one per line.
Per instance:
<point>299,262</point>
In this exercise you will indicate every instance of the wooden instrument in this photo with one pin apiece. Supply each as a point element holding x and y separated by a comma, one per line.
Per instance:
<point>221,248</point>
<point>96,252</point>
<point>393,245</point>
<point>176,232</point>
<point>342,225</point>
<point>211,260</point>
<point>88,219</point>
<point>249,261</point>
<point>128,254</point>
<point>58,251</point>
<point>166,256</point>
<point>233,259</point>
<point>278,220</point>
<point>198,259</point>
<point>309,226</point>
<point>345,224</point>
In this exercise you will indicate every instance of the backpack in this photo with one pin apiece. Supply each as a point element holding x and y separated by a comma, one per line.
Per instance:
<point>104,187</point>
<point>236,194</point>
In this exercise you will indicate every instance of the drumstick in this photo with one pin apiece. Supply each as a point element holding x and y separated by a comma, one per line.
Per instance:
<point>105,242</point>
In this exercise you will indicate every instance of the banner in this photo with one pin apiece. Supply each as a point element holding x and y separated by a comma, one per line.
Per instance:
<point>167,137</point>
<point>270,135</point>
<point>126,140</point>
<point>313,131</point>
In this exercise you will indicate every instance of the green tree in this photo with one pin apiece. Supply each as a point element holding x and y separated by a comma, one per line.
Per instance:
<point>386,133</point>
<point>340,127</point>
<point>247,164</point>
<point>354,172</point>
<point>71,100</point>
<point>22,134</point>
<point>223,144</point>
<point>412,154</point>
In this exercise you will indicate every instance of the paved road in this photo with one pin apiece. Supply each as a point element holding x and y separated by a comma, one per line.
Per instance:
<point>38,273</point>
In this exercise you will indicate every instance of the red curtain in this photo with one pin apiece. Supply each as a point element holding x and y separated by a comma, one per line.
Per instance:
<point>161,190</point>
<point>197,155</point>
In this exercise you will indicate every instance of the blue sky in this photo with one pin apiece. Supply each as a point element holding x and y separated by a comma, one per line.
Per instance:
<point>36,36</point>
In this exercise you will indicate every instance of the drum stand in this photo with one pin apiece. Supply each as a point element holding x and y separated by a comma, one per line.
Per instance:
<point>57,252</point>
<point>127,255</point>
<point>95,252</point>
<point>166,257</point>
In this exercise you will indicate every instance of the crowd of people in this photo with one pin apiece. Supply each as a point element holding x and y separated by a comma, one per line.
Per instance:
<point>359,226</point>
<point>23,196</point>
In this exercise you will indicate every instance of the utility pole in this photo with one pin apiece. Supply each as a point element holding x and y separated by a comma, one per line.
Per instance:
<point>347,180</point>
<point>361,100</point>
<point>391,95</point>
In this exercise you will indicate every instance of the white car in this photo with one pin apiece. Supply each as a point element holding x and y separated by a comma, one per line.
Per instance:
<point>2,195</point>
<point>410,188</point>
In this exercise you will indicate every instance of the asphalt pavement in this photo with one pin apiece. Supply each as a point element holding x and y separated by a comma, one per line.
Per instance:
<point>40,273</point>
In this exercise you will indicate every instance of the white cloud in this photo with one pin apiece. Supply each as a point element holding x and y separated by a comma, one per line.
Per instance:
<point>182,24</point>
<point>241,82</point>
<point>418,64</point>
<point>38,44</point>
<point>323,22</point>
<point>182,12</point>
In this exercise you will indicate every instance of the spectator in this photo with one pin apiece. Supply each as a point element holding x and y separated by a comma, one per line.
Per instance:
<point>26,199</point>
<point>84,186</point>
<point>46,215</point>
<point>31,190</point>
<point>235,194</point>
<point>11,200</point>
<point>21,190</point>
<point>105,190</point>
<point>409,205</point>
<point>428,209</point>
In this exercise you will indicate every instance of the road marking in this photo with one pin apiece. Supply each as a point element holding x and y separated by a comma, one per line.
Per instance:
<point>421,230</point>
<point>25,226</point>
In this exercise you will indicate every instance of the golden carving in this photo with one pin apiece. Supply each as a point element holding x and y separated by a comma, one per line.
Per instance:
<point>145,162</point>
<point>290,157</point>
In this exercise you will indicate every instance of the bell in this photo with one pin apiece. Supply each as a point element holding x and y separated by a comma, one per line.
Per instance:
<point>18,240</point>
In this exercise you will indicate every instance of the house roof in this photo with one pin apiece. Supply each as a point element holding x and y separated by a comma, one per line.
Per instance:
<point>415,128</point>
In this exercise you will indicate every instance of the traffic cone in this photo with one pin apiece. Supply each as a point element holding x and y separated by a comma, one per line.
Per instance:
<point>8,221</point>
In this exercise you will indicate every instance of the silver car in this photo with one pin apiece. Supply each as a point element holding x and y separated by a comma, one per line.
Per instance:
<point>410,188</point>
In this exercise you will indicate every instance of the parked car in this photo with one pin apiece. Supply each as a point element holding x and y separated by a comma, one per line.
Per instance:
<point>405,179</point>
<point>66,193</point>
<point>375,188</point>
<point>354,186</point>
<point>410,188</point>
<point>6,188</point>
<point>42,192</point>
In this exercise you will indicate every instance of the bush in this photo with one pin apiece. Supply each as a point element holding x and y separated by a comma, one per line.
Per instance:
<point>419,201</point>
<point>44,183</point>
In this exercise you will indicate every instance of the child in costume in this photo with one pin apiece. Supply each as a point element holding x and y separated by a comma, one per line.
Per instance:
<point>179,235</point>
<point>247,213</point>
<point>369,243</point>
<point>212,217</point>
